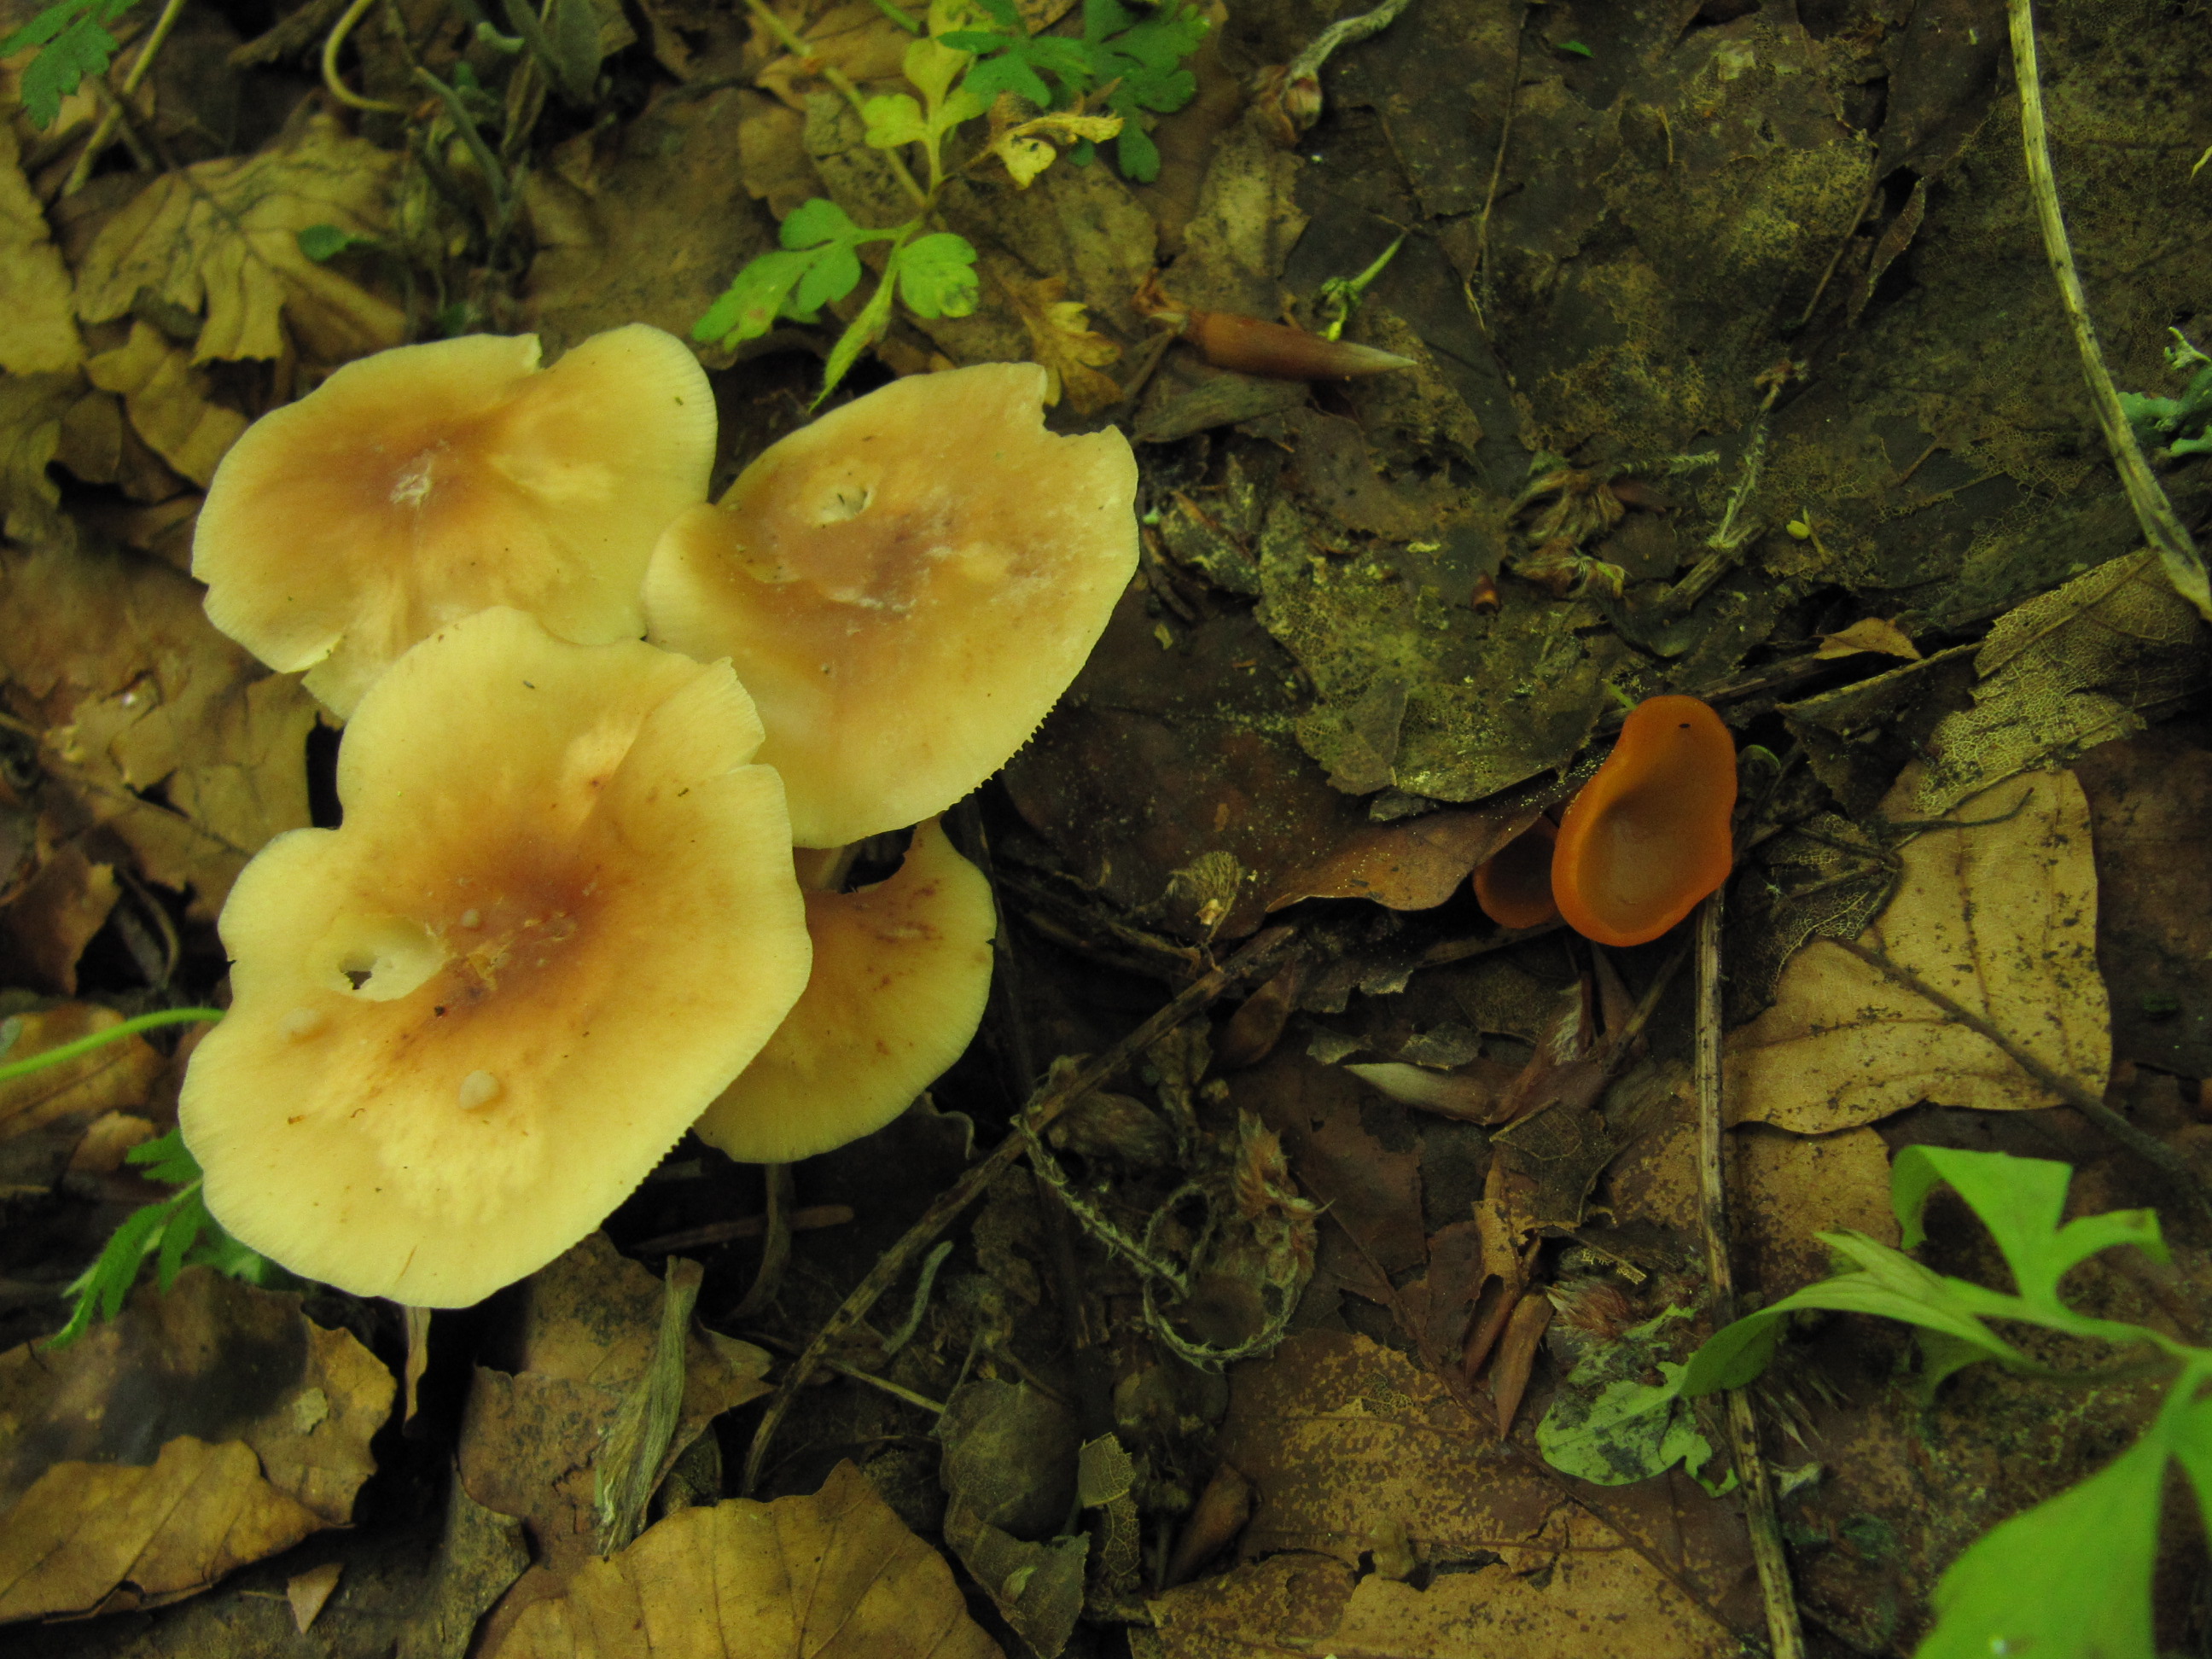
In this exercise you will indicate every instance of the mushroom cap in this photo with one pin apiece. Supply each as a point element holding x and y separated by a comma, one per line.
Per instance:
<point>1648,836</point>
<point>902,971</point>
<point>1513,885</point>
<point>426,482</point>
<point>906,586</point>
<point>559,918</point>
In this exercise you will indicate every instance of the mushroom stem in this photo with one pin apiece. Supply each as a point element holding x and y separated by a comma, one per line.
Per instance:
<point>776,1244</point>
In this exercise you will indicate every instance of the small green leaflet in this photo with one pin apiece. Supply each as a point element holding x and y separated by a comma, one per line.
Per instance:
<point>2018,1200</point>
<point>1607,1425</point>
<point>1141,62</point>
<point>1145,61</point>
<point>323,243</point>
<point>1012,59</point>
<point>177,1232</point>
<point>819,265</point>
<point>937,276</point>
<point>75,41</point>
<point>2071,1577</point>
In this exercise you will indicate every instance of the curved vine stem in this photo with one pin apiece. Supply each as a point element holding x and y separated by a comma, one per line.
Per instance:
<point>332,43</point>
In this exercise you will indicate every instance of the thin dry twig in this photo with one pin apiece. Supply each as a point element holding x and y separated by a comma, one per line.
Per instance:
<point>1783,1633</point>
<point>2074,1094</point>
<point>2161,527</point>
<point>1266,952</point>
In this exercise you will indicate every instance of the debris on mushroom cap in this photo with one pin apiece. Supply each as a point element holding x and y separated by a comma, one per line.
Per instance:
<point>906,586</point>
<point>902,971</point>
<point>559,919</point>
<point>1649,835</point>
<point>416,487</point>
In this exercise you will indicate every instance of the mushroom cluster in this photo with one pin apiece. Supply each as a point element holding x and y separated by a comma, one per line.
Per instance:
<point>1639,845</point>
<point>563,920</point>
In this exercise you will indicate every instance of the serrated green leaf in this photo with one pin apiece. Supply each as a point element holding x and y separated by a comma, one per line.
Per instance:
<point>187,1215</point>
<point>166,1159</point>
<point>1135,153</point>
<point>74,42</point>
<point>937,276</point>
<point>894,119</point>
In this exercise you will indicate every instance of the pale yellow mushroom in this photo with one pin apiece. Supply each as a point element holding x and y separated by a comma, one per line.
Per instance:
<point>420,485</point>
<point>906,586</point>
<point>902,971</point>
<point>559,919</point>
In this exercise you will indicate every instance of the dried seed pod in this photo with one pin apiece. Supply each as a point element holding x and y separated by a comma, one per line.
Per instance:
<point>1249,345</point>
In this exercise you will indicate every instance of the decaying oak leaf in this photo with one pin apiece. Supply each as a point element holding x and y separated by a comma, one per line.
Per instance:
<point>107,1537</point>
<point>168,400</point>
<point>1345,1440</point>
<point>57,899</point>
<point>1062,339</point>
<point>1009,1477</point>
<point>1868,634</point>
<point>1999,915</point>
<point>835,1576</point>
<point>1028,148</point>
<point>1534,1604</point>
<point>155,725</point>
<point>31,410</point>
<point>262,1419</point>
<point>2102,657</point>
<point>534,1436</point>
<point>213,1359</point>
<point>37,326</point>
<point>43,1114</point>
<point>222,239</point>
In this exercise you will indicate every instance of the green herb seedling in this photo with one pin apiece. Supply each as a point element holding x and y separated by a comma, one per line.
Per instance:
<point>73,40</point>
<point>2176,425</point>
<point>2069,1578</point>
<point>177,1230</point>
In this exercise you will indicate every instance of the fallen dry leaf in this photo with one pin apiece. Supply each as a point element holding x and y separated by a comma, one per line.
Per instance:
<point>1870,633</point>
<point>169,401</point>
<point>531,1436</point>
<point>37,326</point>
<point>1343,1439</point>
<point>43,1116</point>
<point>1783,1189</point>
<point>222,239</point>
<point>49,919</point>
<point>155,725</point>
<point>308,1591</point>
<point>32,407</point>
<point>835,1576</point>
<point>91,1538</point>
<point>2001,916</point>
<point>1063,340</point>
<point>214,1359</point>
<point>2150,797</point>
<point>2104,656</point>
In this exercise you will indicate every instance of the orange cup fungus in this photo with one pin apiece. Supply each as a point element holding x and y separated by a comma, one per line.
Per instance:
<point>906,586</point>
<point>902,971</point>
<point>1513,885</point>
<point>559,919</point>
<point>425,484</point>
<point>1649,835</point>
